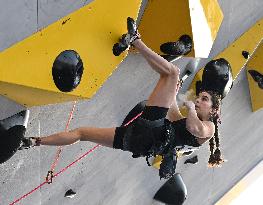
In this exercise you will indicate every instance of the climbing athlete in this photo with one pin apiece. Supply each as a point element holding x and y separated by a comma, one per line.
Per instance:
<point>161,127</point>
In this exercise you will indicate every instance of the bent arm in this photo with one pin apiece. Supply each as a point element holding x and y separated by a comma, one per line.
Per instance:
<point>201,129</point>
<point>174,113</point>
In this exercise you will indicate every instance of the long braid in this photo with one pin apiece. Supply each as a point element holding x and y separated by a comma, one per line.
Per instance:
<point>217,153</point>
<point>212,147</point>
<point>215,159</point>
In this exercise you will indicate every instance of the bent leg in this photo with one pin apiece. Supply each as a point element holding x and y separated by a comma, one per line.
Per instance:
<point>166,89</point>
<point>164,93</point>
<point>102,136</point>
<point>157,62</point>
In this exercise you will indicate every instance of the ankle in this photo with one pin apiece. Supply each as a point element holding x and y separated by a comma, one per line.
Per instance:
<point>36,141</point>
<point>137,42</point>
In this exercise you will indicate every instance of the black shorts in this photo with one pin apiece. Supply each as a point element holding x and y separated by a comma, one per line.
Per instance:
<point>149,113</point>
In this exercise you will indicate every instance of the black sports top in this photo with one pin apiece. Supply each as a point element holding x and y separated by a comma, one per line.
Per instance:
<point>182,135</point>
<point>146,138</point>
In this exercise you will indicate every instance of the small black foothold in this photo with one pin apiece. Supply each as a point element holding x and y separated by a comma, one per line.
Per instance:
<point>192,160</point>
<point>70,193</point>
<point>245,54</point>
<point>63,22</point>
<point>257,76</point>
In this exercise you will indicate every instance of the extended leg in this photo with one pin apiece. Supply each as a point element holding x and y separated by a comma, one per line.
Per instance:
<point>102,136</point>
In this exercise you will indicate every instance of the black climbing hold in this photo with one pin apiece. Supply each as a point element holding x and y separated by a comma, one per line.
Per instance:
<point>70,193</point>
<point>10,141</point>
<point>65,21</point>
<point>12,131</point>
<point>67,70</point>
<point>245,54</point>
<point>173,192</point>
<point>217,77</point>
<point>181,47</point>
<point>258,77</point>
<point>192,160</point>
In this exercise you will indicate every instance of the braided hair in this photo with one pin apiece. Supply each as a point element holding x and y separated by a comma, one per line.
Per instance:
<point>215,159</point>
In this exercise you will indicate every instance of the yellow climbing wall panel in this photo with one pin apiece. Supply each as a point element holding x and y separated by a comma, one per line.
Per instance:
<point>214,16</point>
<point>233,53</point>
<point>91,31</point>
<point>255,87</point>
<point>166,20</point>
<point>163,21</point>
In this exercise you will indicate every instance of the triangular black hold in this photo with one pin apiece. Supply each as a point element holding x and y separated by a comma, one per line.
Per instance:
<point>258,77</point>
<point>70,193</point>
<point>173,192</point>
<point>192,160</point>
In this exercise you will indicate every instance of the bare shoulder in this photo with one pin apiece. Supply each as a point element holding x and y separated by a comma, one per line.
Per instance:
<point>209,129</point>
<point>209,123</point>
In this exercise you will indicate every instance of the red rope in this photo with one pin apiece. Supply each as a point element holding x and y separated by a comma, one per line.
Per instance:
<point>133,119</point>
<point>57,174</point>
<point>60,147</point>
<point>65,168</point>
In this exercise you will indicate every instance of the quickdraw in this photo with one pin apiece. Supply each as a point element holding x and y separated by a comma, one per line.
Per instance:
<point>49,177</point>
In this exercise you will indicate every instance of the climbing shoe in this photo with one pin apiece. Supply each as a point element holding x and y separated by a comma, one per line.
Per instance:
<point>132,30</point>
<point>127,39</point>
<point>29,142</point>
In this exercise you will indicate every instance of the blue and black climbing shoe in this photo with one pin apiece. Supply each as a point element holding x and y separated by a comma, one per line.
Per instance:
<point>123,44</point>
<point>132,30</point>
<point>127,39</point>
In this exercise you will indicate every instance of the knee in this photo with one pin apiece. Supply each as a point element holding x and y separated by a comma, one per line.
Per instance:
<point>174,71</point>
